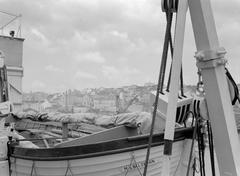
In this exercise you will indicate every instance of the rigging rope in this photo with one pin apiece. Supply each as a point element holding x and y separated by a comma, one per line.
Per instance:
<point>181,73</point>
<point>160,82</point>
<point>198,134</point>
<point>170,6</point>
<point>235,87</point>
<point>192,145</point>
<point>201,148</point>
<point>169,15</point>
<point>211,147</point>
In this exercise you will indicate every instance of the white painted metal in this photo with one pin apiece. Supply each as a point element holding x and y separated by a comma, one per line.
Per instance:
<point>175,78</point>
<point>176,68</point>
<point>217,94</point>
<point>164,99</point>
<point>122,164</point>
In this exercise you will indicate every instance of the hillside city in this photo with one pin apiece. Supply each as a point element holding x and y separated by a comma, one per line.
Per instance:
<point>131,98</point>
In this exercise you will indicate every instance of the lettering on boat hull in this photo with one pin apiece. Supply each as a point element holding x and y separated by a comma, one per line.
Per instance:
<point>136,166</point>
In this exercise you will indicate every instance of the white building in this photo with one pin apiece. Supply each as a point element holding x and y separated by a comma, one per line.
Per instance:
<point>104,104</point>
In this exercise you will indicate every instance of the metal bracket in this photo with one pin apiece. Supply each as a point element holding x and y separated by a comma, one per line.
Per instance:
<point>211,63</point>
<point>207,55</point>
<point>210,58</point>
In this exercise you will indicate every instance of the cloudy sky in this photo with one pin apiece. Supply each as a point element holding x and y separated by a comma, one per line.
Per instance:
<point>107,43</point>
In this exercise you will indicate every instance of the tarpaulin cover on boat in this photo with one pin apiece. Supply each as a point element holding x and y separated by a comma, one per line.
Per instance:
<point>141,120</point>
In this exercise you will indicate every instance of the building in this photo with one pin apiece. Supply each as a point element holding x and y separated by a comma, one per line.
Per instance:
<point>85,101</point>
<point>32,105</point>
<point>104,103</point>
<point>45,105</point>
<point>13,51</point>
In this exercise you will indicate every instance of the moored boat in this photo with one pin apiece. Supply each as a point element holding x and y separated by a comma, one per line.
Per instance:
<point>125,156</point>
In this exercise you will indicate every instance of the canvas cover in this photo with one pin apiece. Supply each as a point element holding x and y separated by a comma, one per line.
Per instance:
<point>141,120</point>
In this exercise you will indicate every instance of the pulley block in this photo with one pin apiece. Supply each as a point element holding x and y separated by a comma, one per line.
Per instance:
<point>171,5</point>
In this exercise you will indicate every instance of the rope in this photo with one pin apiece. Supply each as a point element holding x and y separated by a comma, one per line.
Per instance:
<point>9,159</point>
<point>33,169</point>
<point>160,84</point>
<point>171,49</point>
<point>192,145</point>
<point>211,148</point>
<point>68,169</point>
<point>201,148</point>
<point>181,73</point>
<point>181,83</point>
<point>235,87</point>
<point>198,132</point>
<point>199,151</point>
<point>169,15</point>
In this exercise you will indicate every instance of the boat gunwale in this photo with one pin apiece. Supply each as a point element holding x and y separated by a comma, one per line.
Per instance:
<point>25,153</point>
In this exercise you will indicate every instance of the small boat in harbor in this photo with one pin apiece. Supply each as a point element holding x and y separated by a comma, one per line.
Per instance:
<point>99,157</point>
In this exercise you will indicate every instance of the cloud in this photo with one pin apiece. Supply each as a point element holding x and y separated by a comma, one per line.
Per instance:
<point>119,76</point>
<point>84,75</point>
<point>122,35</point>
<point>95,57</point>
<point>110,72</point>
<point>57,88</point>
<point>114,72</point>
<point>52,68</point>
<point>119,42</point>
<point>38,85</point>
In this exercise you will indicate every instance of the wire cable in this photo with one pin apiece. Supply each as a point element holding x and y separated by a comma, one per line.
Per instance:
<point>191,152</point>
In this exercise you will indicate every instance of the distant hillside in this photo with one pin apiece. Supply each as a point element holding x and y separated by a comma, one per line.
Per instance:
<point>35,96</point>
<point>40,96</point>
